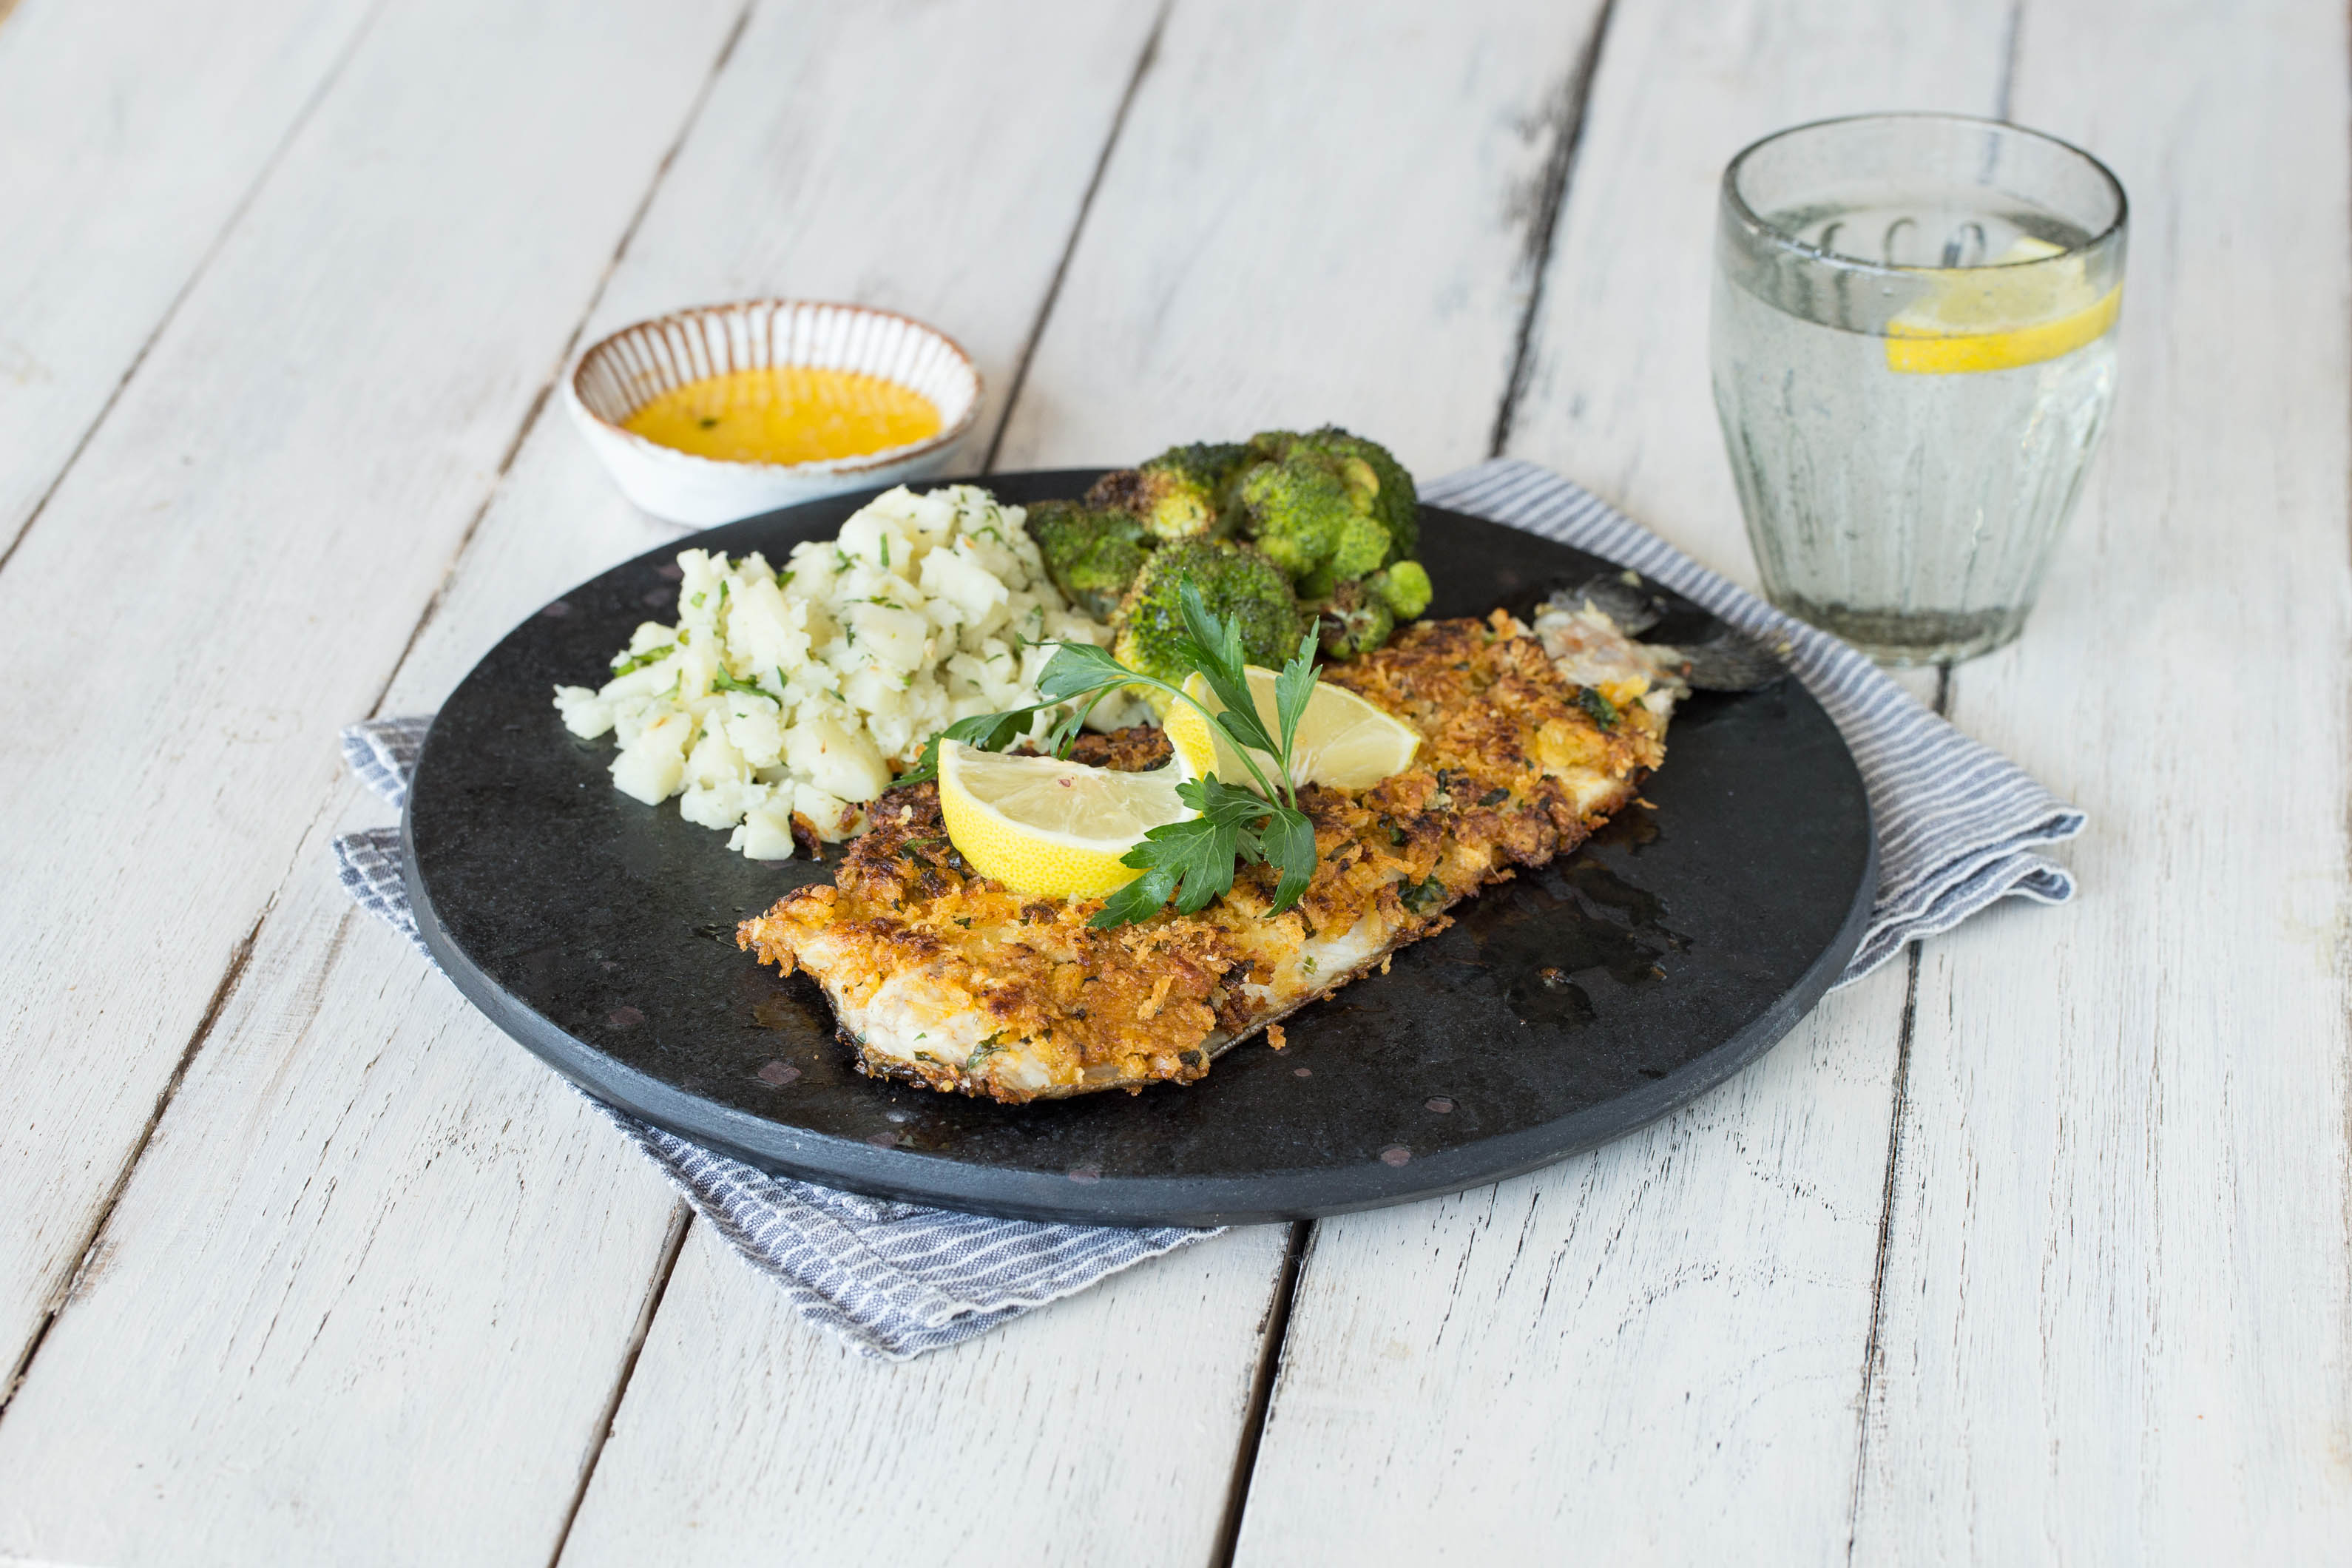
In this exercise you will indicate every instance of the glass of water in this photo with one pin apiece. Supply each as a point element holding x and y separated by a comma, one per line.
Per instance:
<point>1914,351</point>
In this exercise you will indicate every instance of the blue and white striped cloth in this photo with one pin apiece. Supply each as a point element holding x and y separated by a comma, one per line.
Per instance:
<point>894,1279</point>
<point>1959,827</point>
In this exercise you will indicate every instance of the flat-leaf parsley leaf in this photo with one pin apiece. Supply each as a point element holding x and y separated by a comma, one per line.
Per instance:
<point>1190,862</point>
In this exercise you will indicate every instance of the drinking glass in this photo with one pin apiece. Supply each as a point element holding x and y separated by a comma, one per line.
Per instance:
<point>1914,350</point>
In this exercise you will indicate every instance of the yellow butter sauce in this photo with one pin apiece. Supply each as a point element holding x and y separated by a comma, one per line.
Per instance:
<point>793,414</point>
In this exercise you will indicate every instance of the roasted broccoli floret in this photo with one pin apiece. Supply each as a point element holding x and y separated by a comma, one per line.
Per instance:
<point>1182,493</point>
<point>1342,516</point>
<point>1210,466</point>
<point>1235,581</point>
<point>1359,616</point>
<point>1310,512</point>
<point>1393,498</point>
<point>1403,587</point>
<point>1354,620</point>
<point>1092,555</point>
<point>1332,515</point>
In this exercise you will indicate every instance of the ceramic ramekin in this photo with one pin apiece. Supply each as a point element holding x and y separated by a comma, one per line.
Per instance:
<point>628,369</point>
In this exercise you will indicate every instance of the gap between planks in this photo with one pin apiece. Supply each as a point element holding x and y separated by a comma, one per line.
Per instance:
<point>261,179</point>
<point>2013,39</point>
<point>1012,388</point>
<point>681,1220</point>
<point>1873,1349</point>
<point>1543,217</point>
<point>1276,1332</point>
<point>239,956</point>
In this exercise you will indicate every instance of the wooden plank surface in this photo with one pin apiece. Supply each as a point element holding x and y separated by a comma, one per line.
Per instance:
<point>1100,1430</point>
<point>1653,1351</point>
<point>365,1301</point>
<point>1617,390</point>
<point>1265,253</point>
<point>884,153</point>
<point>122,168</point>
<point>2115,1325</point>
<point>838,158</point>
<point>1647,1352</point>
<point>265,514</point>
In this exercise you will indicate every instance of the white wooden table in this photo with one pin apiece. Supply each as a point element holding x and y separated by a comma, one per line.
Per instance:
<point>2035,1247</point>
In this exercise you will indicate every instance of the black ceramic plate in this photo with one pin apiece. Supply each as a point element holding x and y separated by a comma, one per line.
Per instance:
<point>1561,1010</point>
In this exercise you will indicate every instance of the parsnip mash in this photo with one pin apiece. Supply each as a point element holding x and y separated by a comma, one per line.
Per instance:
<point>786,693</point>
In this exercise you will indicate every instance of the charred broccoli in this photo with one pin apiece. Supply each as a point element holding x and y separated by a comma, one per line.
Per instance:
<point>1210,466</point>
<point>1403,587</point>
<point>1354,620</point>
<point>1235,581</point>
<point>1387,487</point>
<point>1310,512</point>
<point>1358,618</point>
<point>1092,555</point>
<point>1180,494</point>
<point>1334,518</point>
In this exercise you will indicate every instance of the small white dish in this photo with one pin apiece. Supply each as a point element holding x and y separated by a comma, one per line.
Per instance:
<point>621,374</point>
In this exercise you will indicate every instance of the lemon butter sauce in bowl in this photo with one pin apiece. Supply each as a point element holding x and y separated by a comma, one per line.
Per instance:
<point>705,415</point>
<point>787,413</point>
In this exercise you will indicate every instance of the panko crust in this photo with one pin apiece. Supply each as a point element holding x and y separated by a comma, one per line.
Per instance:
<point>1514,770</point>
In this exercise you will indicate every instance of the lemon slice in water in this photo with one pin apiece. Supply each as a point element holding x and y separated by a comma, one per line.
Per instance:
<point>1982,318</point>
<point>1343,740</point>
<point>1057,829</point>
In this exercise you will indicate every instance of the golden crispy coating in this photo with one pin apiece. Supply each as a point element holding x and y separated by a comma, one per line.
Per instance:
<point>945,977</point>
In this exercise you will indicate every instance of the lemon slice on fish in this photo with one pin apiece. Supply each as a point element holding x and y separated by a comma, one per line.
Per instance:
<point>2001,317</point>
<point>1042,826</point>
<point>1342,740</point>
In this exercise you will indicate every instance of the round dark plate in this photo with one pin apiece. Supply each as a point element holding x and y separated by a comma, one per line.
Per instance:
<point>1561,1010</point>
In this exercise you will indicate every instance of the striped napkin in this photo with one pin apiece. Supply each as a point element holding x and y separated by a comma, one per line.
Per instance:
<point>1960,827</point>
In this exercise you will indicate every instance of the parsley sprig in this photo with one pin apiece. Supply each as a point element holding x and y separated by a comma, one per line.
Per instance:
<point>1190,862</point>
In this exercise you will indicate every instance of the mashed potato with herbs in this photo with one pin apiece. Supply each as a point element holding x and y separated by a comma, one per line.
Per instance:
<point>784,694</point>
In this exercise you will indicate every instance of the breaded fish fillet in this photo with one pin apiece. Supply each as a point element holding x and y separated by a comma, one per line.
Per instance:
<point>947,978</point>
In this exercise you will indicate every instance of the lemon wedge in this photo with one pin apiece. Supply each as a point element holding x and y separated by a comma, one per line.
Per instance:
<point>1980,318</point>
<point>1342,740</point>
<point>1042,826</point>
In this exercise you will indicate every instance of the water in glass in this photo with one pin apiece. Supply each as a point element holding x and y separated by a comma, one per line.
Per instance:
<point>1911,376</point>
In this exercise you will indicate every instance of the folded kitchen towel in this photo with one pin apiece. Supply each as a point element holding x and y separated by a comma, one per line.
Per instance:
<point>1959,826</point>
